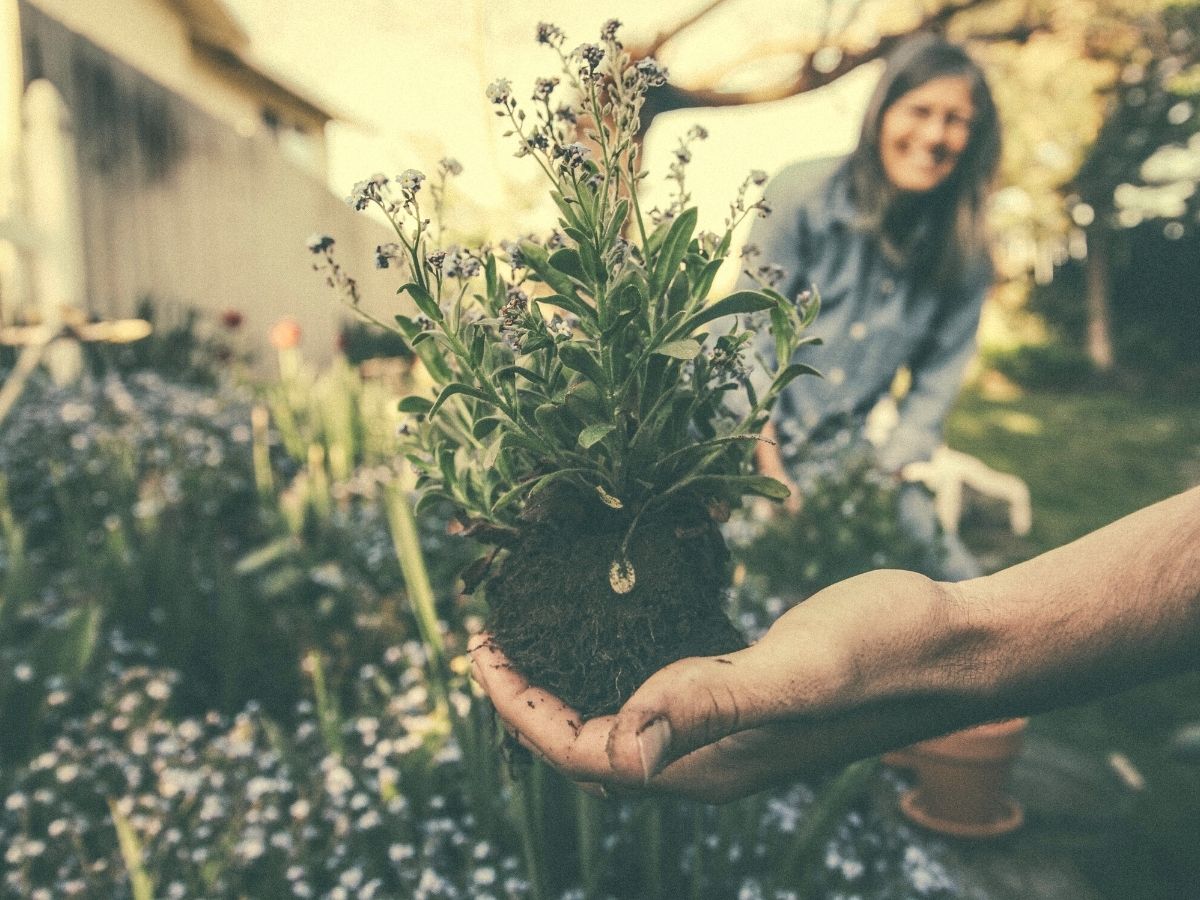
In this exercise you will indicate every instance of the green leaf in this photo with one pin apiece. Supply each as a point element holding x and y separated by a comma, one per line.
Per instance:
<point>679,292</point>
<point>784,330</point>
<point>789,374</point>
<point>492,280</point>
<point>571,304</point>
<point>485,426</point>
<point>445,460</point>
<point>420,463</point>
<point>488,462</point>
<point>566,208</point>
<point>434,362</point>
<point>539,262</point>
<point>414,405</point>
<point>592,267</point>
<point>477,345</point>
<point>739,485</point>
<point>575,356</point>
<point>552,418</point>
<point>428,500</point>
<point>704,281</point>
<point>673,247</point>
<point>620,213</point>
<point>685,349</point>
<point>570,263</point>
<point>734,304</point>
<point>457,388</point>
<point>423,299</point>
<point>409,326</point>
<point>585,400</point>
<point>513,371</point>
<point>535,343</point>
<point>594,434</point>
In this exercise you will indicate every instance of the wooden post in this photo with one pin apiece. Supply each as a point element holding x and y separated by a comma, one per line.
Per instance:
<point>13,231</point>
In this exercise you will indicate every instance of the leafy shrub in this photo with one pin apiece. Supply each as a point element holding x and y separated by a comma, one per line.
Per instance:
<point>144,504</point>
<point>848,525</point>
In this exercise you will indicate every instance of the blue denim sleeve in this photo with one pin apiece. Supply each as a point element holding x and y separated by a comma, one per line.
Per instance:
<point>782,239</point>
<point>937,376</point>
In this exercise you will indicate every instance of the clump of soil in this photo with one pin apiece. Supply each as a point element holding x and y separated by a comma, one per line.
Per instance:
<point>554,613</point>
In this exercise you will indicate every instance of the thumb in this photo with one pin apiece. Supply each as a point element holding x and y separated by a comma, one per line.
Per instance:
<point>689,704</point>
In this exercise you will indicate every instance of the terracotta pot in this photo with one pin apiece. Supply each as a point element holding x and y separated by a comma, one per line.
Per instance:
<point>962,780</point>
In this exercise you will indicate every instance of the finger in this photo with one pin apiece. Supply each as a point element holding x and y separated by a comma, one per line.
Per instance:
<point>477,640</point>
<point>689,704</point>
<point>550,727</point>
<point>733,767</point>
<point>492,670</point>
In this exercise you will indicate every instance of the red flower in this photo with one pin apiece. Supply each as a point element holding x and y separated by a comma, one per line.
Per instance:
<point>285,334</point>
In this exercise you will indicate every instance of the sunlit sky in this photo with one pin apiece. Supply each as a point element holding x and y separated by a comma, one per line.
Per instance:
<point>412,80</point>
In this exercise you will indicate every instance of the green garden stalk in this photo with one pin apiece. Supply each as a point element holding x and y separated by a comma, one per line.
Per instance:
<point>260,421</point>
<point>407,543</point>
<point>652,846</point>
<point>589,822</point>
<point>698,835</point>
<point>327,712</point>
<point>822,816</point>
<point>319,495</point>
<point>140,883</point>
<point>525,811</point>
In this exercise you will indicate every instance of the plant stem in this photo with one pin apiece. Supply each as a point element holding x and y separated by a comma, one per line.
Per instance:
<point>589,822</point>
<point>824,813</point>
<point>407,544</point>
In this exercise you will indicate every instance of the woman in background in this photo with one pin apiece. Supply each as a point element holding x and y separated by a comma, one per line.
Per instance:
<point>893,238</point>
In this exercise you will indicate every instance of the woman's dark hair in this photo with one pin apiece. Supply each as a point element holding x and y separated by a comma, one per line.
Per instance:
<point>934,234</point>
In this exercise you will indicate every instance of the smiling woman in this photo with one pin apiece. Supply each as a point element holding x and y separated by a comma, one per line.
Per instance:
<point>893,238</point>
<point>925,132</point>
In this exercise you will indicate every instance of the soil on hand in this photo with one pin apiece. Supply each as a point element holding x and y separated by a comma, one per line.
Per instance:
<point>554,613</point>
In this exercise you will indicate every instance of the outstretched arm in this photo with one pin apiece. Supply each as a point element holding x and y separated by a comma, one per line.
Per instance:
<point>887,658</point>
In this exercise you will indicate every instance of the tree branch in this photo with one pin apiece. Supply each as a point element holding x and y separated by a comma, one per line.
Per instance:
<point>806,77</point>
<point>665,37</point>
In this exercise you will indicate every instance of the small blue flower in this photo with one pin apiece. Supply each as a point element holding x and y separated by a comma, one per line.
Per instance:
<point>653,71</point>
<point>499,90</point>
<point>318,243</point>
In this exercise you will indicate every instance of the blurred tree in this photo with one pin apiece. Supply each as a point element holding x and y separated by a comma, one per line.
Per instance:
<point>1145,161</point>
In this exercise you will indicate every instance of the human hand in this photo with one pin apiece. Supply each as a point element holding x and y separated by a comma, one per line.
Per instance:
<point>724,769</point>
<point>719,728</point>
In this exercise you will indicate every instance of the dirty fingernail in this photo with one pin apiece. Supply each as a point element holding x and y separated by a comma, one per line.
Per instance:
<point>652,742</point>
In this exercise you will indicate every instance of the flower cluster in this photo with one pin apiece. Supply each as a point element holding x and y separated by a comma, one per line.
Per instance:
<point>551,365</point>
<point>677,173</point>
<point>227,806</point>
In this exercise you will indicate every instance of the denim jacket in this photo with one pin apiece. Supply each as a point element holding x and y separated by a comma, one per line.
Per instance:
<point>873,321</point>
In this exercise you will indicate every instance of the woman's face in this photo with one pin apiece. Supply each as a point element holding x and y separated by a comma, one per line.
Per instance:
<point>924,133</point>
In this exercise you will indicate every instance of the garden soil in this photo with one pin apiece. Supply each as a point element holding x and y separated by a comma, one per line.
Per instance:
<point>554,614</point>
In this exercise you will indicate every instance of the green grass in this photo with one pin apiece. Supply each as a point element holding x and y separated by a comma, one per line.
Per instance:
<point>1090,458</point>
